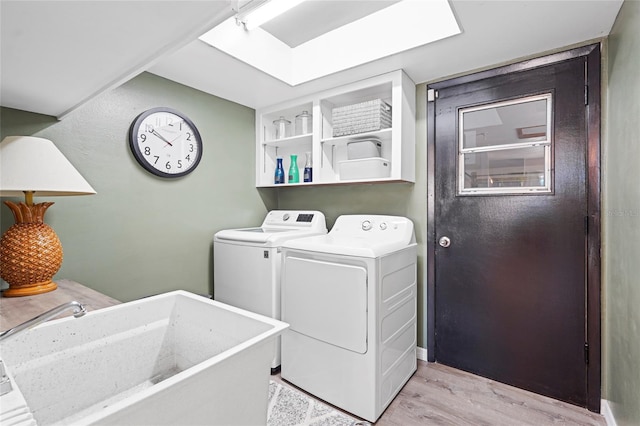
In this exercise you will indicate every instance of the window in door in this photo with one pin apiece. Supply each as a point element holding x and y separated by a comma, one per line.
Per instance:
<point>505,147</point>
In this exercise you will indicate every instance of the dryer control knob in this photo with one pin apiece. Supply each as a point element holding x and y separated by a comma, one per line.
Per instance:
<point>383,226</point>
<point>366,225</point>
<point>285,217</point>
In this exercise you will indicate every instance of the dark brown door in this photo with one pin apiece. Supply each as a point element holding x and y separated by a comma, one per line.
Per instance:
<point>511,208</point>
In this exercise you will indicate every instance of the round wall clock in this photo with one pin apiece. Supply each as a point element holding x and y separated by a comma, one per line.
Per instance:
<point>165,142</point>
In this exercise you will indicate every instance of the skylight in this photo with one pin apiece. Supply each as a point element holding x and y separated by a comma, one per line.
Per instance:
<point>402,26</point>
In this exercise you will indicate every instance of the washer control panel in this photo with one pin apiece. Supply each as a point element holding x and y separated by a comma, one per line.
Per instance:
<point>367,225</point>
<point>374,227</point>
<point>294,219</point>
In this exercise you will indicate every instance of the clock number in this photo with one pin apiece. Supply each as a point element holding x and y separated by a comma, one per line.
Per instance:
<point>167,166</point>
<point>191,148</point>
<point>179,164</point>
<point>143,138</point>
<point>157,158</point>
<point>147,150</point>
<point>188,136</point>
<point>148,128</point>
<point>188,158</point>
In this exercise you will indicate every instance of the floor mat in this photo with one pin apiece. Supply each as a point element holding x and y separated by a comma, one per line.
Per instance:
<point>289,407</point>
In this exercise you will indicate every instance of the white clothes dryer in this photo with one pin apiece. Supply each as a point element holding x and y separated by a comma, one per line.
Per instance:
<point>246,262</point>
<point>350,297</point>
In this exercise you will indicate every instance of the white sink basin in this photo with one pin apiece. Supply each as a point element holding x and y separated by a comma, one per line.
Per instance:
<point>176,358</point>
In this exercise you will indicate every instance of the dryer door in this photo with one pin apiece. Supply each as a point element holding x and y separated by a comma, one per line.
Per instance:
<point>326,301</point>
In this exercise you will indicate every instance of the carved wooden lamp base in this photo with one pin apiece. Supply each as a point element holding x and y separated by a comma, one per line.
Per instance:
<point>30,290</point>
<point>30,252</point>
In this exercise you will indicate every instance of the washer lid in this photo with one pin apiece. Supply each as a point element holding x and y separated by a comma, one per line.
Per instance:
<point>264,236</point>
<point>360,235</point>
<point>277,227</point>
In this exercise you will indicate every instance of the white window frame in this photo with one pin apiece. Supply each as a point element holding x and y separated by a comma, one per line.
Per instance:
<point>546,143</point>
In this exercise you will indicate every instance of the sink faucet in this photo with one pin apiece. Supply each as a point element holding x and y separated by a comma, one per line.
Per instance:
<point>78,311</point>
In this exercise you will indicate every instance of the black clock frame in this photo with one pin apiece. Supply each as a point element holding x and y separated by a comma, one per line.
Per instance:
<point>139,156</point>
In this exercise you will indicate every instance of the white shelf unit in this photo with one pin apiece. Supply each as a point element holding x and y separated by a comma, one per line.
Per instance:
<point>398,141</point>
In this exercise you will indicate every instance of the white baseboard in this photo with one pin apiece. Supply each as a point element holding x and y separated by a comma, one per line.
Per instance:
<point>421,354</point>
<point>605,410</point>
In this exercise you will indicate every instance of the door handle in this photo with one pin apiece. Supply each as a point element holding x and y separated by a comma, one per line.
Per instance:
<point>444,242</point>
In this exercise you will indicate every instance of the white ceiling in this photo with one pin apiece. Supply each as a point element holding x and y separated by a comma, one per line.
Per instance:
<point>56,55</point>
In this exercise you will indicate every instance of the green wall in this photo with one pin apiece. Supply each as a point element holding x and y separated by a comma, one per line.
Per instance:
<point>142,235</point>
<point>621,219</point>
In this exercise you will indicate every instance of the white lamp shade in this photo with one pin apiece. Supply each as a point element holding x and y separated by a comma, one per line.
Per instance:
<point>35,164</point>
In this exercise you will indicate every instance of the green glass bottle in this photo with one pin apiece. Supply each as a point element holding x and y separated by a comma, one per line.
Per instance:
<point>294,172</point>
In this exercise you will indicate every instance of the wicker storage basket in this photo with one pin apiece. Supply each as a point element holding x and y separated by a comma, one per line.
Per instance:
<point>362,117</point>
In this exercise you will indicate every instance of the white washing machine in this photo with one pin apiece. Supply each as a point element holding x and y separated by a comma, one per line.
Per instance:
<point>246,262</point>
<point>350,297</point>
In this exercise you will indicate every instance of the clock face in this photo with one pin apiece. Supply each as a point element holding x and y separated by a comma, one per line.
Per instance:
<point>165,142</point>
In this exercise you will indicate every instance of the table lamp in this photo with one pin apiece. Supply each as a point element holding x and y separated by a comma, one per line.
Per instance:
<point>30,251</point>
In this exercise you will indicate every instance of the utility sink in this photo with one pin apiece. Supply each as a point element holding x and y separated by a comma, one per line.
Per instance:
<point>175,358</point>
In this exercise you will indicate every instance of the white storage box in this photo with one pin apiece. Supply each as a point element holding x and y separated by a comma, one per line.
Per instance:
<point>364,168</point>
<point>365,148</point>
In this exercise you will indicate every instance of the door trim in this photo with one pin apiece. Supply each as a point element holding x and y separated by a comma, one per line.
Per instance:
<point>593,190</point>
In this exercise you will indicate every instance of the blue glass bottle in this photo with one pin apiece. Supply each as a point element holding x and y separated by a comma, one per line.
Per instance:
<point>308,170</point>
<point>279,175</point>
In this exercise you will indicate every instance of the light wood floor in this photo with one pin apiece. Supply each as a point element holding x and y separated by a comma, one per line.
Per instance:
<point>441,395</point>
